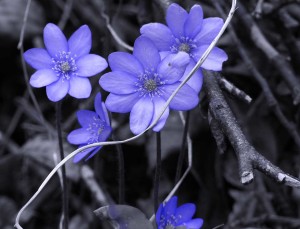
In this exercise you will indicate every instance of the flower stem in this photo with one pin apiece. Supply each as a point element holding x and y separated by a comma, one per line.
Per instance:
<point>121,172</point>
<point>157,171</point>
<point>63,168</point>
<point>183,146</point>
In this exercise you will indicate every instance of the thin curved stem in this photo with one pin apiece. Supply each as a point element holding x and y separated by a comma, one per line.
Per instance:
<point>183,147</point>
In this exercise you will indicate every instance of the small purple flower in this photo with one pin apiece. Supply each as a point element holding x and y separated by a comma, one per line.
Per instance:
<point>168,216</point>
<point>190,33</point>
<point>142,83</point>
<point>95,127</point>
<point>63,67</point>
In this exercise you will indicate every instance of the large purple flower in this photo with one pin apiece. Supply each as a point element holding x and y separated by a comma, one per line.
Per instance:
<point>141,84</point>
<point>190,33</point>
<point>63,67</point>
<point>95,127</point>
<point>169,216</point>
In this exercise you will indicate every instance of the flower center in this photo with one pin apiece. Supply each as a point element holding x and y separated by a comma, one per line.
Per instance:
<point>95,129</point>
<point>149,84</point>
<point>64,65</point>
<point>185,48</point>
<point>183,44</point>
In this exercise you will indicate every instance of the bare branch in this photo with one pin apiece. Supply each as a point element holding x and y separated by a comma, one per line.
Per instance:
<point>249,158</point>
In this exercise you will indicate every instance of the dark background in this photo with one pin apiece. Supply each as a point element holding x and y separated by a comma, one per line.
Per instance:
<point>27,146</point>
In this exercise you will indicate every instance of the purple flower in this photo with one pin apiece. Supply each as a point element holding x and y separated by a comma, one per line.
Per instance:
<point>169,216</point>
<point>141,84</point>
<point>95,127</point>
<point>63,67</point>
<point>190,33</point>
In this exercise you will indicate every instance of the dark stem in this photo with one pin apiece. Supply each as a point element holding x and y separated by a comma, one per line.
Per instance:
<point>63,168</point>
<point>157,171</point>
<point>121,172</point>
<point>183,146</point>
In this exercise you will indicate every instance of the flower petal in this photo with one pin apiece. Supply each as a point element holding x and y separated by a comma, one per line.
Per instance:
<point>146,52</point>
<point>210,28</point>
<point>193,23</point>
<point>38,58</point>
<point>169,209</point>
<point>121,103</point>
<point>54,39</point>
<point>194,223</point>
<point>58,90</point>
<point>104,135</point>
<point>171,68</point>
<point>184,213</point>
<point>159,104</point>
<point>100,108</point>
<point>118,82</point>
<point>214,60</point>
<point>141,115</point>
<point>86,117</point>
<point>158,214</point>
<point>79,136</point>
<point>43,78</point>
<point>80,88</point>
<point>125,62</point>
<point>90,65</point>
<point>164,54</point>
<point>176,17</point>
<point>160,34</point>
<point>185,99</point>
<point>80,42</point>
<point>196,80</point>
<point>78,157</point>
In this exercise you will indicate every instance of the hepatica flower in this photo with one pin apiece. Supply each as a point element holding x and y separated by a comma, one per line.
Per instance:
<point>190,33</point>
<point>141,84</point>
<point>64,65</point>
<point>95,127</point>
<point>169,216</point>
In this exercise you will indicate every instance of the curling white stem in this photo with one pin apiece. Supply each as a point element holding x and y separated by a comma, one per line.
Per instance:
<point>68,157</point>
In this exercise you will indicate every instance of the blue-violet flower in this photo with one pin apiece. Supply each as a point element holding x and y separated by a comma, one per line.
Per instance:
<point>168,216</point>
<point>63,67</point>
<point>190,33</point>
<point>141,84</point>
<point>95,127</point>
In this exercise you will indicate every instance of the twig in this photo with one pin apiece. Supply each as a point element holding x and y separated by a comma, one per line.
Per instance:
<point>217,133</point>
<point>232,89</point>
<point>32,113</point>
<point>279,62</point>
<point>164,4</point>
<point>21,48</point>
<point>258,9</point>
<point>249,159</point>
<point>183,147</point>
<point>89,179</point>
<point>112,31</point>
<point>288,23</point>
<point>65,14</point>
<point>11,145</point>
<point>11,127</point>
<point>271,100</point>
